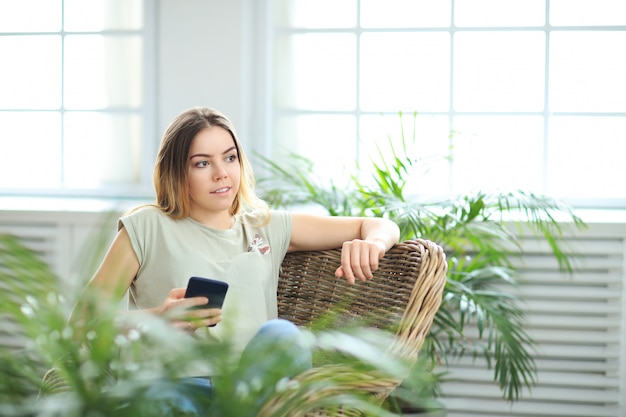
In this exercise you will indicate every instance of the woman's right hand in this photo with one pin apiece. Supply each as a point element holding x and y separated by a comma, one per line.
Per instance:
<point>179,310</point>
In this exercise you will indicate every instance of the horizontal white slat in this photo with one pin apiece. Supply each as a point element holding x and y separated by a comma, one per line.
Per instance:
<point>565,337</point>
<point>574,336</point>
<point>547,363</point>
<point>579,352</point>
<point>574,395</point>
<point>570,332</point>
<point>576,246</point>
<point>529,277</point>
<point>569,292</point>
<point>548,263</point>
<point>10,332</point>
<point>555,359</point>
<point>571,379</point>
<point>572,322</point>
<point>544,378</point>
<point>572,307</point>
<point>561,334</point>
<point>568,362</point>
<point>562,364</point>
<point>11,342</point>
<point>470,407</point>
<point>40,231</point>
<point>41,240</point>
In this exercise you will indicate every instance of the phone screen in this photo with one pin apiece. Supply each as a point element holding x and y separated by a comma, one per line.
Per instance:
<point>213,289</point>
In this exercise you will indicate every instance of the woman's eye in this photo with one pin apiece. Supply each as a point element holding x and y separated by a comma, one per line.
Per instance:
<point>202,163</point>
<point>231,158</point>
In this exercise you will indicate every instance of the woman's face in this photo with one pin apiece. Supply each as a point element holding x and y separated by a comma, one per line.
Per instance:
<point>214,173</point>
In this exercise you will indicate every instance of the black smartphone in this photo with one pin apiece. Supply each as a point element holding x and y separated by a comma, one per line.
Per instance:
<point>213,289</point>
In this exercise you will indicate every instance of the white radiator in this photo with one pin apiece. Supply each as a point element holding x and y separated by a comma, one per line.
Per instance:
<point>66,240</point>
<point>578,321</point>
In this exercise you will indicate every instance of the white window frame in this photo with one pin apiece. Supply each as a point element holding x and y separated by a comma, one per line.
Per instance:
<point>265,19</point>
<point>148,113</point>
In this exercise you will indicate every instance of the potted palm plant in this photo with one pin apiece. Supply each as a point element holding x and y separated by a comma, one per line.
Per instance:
<point>474,229</point>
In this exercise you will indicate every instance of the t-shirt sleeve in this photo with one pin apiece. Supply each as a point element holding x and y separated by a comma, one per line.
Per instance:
<point>135,225</point>
<point>280,228</point>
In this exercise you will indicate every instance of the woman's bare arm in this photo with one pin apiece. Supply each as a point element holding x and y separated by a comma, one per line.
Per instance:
<point>115,275</point>
<point>364,240</point>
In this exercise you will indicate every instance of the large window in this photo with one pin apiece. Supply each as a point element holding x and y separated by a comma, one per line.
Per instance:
<point>72,96</point>
<point>523,94</point>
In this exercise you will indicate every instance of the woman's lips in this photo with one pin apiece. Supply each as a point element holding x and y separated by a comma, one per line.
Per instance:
<point>221,190</point>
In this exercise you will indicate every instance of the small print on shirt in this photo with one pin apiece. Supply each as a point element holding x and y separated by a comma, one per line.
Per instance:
<point>257,245</point>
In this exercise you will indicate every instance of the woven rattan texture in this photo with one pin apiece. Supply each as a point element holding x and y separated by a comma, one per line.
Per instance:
<point>308,288</point>
<point>404,296</point>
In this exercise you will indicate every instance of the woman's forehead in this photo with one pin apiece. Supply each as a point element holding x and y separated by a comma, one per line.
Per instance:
<point>212,141</point>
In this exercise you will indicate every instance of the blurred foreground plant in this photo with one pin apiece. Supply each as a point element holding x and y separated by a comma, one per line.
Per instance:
<point>107,361</point>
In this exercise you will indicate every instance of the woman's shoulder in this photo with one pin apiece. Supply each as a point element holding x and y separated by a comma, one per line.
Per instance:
<point>142,215</point>
<point>145,208</point>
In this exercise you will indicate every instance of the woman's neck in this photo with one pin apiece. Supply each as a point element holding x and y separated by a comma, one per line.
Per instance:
<point>222,221</point>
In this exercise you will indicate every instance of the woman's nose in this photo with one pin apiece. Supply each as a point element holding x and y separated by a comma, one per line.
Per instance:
<point>220,173</point>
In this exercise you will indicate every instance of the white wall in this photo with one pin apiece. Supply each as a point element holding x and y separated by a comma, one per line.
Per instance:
<point>205,57</point>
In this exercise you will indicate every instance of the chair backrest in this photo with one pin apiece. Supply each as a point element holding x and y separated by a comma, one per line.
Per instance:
<point>404,295</point>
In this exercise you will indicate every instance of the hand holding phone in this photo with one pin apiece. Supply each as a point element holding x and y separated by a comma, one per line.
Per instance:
<point>213,289</point>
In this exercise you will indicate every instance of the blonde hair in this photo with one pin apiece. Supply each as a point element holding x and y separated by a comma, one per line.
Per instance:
<point>170,172</point>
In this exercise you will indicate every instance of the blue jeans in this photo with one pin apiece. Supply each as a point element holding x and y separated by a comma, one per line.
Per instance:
<point>275,352</point>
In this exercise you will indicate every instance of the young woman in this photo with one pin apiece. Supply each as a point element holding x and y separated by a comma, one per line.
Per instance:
<point>208,222</point>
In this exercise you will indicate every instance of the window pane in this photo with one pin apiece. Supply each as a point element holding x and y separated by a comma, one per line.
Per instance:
<point>426,140</point>
<point>586,157</point>
<point>494,76</point>
<point>498,152</point>
<point>315,13</point>
<point>316,71</point>
<point>489,13</point>
<point>30,15</point>
<point>98,15</point>
<point>30,144</point>
<point>103,71</point>
<point>30,74</point>
<point>587,12</point>
<point>405,71</point>
<point>405,13</point>
<point>499,71</point>
<point>101,149</point>
<point>329,141</point>
<point>587,71</point>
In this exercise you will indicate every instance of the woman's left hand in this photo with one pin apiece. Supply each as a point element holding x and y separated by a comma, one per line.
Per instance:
<point>359,259</point>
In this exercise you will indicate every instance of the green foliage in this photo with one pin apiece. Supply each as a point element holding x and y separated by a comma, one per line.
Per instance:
<point>474,230</point>
<point>108,360</point>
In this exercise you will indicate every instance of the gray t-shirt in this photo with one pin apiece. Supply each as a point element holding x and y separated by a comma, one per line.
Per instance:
<point>248,258</point>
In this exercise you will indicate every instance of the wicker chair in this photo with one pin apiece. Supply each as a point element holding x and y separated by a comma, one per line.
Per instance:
<point>405,295</point>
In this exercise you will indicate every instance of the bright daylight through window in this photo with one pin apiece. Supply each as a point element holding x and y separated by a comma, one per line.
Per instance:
<point>71,95</point>
<point>534,91</point>
<point>524,94</point>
